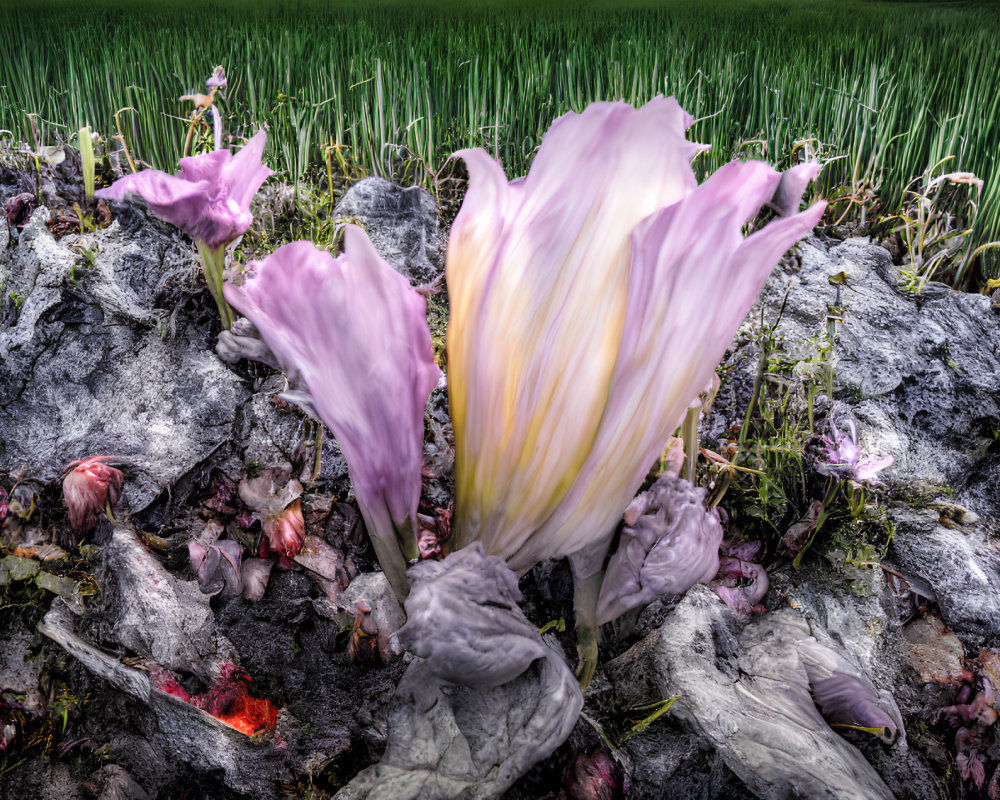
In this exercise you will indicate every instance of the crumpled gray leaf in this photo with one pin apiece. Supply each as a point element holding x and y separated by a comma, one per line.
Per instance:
<point>243,341</point>
<point>463,618</point>
<point>670,542</point>
<point>327,565</point>
<point>487,699</point>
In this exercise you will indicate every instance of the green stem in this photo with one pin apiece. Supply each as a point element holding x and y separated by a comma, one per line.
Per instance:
<point>690,435</point>
<point>87,160</point>
<point>390,558</point>
<point>213,263</point>
<point>586,590</point>
<point>832,487</point>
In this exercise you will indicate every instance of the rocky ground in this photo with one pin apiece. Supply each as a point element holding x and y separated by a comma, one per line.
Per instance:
<point>107,346</point>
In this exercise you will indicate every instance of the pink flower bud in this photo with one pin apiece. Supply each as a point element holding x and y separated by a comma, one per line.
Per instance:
<point>88,486</point>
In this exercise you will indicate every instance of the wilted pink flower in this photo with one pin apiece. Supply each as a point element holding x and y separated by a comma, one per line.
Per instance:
<point>274,497</point>
<point>595,777</point>
<point>209,199</point>
<point>741,584</point>
<point>842,457</point>
<point>844,697</point>
<point>590,304</point>
<point>286,530</point>
<point>89,486</point>
<point>671,544</point>
<point>19,209</point>
<point>354,333</point>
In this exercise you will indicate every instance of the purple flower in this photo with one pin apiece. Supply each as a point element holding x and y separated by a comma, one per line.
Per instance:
<point>218,79</point>
<point>354,333</point>
<point>590,304</point>
<point>842,457</point>
<point>209,199</point>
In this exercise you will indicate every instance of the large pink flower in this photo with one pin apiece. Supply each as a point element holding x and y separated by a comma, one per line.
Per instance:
<point>354,333</point>
<point>209,199</point>
<point>590,303</point>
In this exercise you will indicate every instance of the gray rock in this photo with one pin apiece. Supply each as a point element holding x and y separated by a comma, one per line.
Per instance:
<point>97,360</point>
<point>401,223</point>
<point>747,693</point>
<point>144,608</point>
<point>922,371</point>
<point>43,780</point>
<point>116,784</point>
<point>463,742</point>
<point>959,563</point>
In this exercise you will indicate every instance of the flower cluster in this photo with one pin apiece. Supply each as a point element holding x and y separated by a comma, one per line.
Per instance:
<point>590,302</point>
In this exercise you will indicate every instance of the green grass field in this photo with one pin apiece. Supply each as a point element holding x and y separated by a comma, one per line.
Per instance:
<point>882,91</point>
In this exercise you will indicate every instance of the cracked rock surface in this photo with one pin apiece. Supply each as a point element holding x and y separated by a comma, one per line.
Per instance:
<point>109,358</point>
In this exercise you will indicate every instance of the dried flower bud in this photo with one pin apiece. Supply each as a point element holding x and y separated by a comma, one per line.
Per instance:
<point>672,545</point>
<point>286,530</point>
<point>463,617</point>
<point>89,486</point>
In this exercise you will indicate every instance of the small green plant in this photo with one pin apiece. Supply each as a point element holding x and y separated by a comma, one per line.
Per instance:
<point>633,721</point>
<point>772,488</point>
<point>86,259</point>
<point>936,226</point>
<point>16,298</point>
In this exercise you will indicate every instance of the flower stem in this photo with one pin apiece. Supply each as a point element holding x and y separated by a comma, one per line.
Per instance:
<point>390,558</point>
<point>832,487</point>
<point>586,590</point>
<point>213,262</point>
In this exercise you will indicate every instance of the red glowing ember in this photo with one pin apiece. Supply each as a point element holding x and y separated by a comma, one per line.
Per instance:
<point>227,700</point>
<point>164,680</point>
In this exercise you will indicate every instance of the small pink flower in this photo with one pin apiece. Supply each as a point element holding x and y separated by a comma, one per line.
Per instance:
<point>209,199</point>
<point>841,456</point>
<point>89,486</point>
<point>286,530</point>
